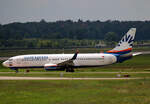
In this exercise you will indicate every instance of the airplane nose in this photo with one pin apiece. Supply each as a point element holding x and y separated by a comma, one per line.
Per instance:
<point>5,64</point>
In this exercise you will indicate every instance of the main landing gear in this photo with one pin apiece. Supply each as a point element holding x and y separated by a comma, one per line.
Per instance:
<point>27,71</point>
<point>16,70</point>
<point>69,69</point>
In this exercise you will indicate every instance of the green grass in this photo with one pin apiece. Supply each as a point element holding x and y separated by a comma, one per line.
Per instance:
<point>77,75</point>
<point>12,52</point>
<point>75,92</point>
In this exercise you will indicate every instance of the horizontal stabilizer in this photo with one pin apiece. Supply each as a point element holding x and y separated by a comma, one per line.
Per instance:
<point>136,54</point>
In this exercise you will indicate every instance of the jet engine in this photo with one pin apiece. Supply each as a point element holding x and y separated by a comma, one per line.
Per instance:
<point>53,67</point>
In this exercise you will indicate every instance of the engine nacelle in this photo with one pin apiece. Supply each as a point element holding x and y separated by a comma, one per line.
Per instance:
<point>52,67</point>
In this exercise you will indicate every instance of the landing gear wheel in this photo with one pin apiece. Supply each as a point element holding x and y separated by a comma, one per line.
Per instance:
<point>69,70</point>
<point>27,71</point>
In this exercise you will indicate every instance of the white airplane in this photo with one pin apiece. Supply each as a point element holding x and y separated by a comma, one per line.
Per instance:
<point>68,62</point>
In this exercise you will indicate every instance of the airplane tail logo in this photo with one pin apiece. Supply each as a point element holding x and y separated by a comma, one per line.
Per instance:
<point>125,44</point>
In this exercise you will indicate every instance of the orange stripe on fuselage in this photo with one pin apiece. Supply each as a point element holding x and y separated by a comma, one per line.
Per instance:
<point>115,51</point>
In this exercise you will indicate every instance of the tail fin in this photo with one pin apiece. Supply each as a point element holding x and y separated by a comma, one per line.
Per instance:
<point>125,44</point>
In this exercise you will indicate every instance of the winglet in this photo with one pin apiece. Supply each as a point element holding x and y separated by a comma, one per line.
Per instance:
<point>75,55</point>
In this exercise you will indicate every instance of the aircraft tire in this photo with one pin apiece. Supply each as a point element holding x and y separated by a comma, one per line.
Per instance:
<point>69,70</point>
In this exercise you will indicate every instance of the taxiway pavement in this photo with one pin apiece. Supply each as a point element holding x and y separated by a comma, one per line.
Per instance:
<point>59,78</point>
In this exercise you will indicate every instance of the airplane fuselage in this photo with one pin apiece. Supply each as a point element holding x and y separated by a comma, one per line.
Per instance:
<point>40,60</point>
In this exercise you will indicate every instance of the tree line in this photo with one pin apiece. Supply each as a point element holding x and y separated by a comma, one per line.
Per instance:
<point>68,33</point>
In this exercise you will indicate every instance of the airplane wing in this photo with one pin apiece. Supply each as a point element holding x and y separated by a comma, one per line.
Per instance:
<point>69,62</point>
<point>68,65</point>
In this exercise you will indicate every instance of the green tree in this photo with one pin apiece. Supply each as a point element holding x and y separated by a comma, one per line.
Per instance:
<point>111,38</point>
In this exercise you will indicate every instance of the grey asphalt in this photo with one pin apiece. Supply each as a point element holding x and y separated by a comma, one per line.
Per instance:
<point>60,78</point>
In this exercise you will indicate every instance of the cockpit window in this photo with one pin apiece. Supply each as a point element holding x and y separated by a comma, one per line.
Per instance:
<point>10,59</point>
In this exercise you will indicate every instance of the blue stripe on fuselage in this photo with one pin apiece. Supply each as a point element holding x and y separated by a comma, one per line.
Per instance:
<point>119,58</point>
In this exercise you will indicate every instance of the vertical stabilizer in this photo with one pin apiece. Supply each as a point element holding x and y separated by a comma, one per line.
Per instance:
<point>125,44</point>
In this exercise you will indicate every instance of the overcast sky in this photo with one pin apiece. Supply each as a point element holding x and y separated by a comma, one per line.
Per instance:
<point>53,10</point>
